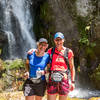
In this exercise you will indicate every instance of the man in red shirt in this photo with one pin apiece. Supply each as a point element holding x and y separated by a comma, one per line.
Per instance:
<point>58,78</point>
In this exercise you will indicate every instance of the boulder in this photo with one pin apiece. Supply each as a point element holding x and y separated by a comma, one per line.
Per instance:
<point>3,38</point>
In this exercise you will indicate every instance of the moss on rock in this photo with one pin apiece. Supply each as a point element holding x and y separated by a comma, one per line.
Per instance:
<point>95,77</point>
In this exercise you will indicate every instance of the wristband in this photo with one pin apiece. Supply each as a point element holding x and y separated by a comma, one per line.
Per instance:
<point>45,72</point>
<point>73,81</point>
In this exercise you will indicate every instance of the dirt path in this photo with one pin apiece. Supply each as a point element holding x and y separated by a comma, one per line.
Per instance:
<point>19,96</point>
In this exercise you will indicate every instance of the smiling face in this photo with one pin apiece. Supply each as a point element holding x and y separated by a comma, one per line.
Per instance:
<point>42,46</point>
<point>59,42</point>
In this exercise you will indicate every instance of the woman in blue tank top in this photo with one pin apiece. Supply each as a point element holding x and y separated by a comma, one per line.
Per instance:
<point>37,60</point>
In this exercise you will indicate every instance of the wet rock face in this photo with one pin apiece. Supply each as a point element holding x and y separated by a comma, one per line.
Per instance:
<point>98,30</point>
<point>3,39</point>
<point>3,44</point>
<point>63,21</point>
<point>59,19</point>
<point>84,7</point>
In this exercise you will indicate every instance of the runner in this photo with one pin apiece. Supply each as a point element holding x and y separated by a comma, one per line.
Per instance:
<point>35,85</point>
<point>58,77</point>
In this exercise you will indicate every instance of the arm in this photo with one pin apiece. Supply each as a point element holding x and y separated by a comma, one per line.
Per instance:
<point>72,69</point>
<point>26,75</point>
<point>27,65</point>
<point>46,71</point>
<point>48,68</point>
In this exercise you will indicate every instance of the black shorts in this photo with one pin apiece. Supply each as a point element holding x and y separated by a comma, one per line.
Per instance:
<point>30,89</point>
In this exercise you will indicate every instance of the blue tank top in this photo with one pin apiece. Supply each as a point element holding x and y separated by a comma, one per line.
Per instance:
<point>36,62</point>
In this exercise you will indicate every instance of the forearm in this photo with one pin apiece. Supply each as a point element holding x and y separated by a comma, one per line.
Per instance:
<point>27,65</point>
<point>47,69</point>
<point>73,74</point>
<point>72,78</point>
<point>72,69</point>
<point>26,74</point>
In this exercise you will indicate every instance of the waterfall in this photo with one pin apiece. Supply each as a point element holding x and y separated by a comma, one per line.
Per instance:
<point>17,24</point>
<point>83,88</point>
<point>11,43</point>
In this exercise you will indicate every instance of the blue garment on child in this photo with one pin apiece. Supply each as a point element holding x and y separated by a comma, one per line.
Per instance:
<point>36,62</point>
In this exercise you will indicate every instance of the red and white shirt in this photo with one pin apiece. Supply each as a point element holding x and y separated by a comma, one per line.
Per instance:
<point>58,62</point>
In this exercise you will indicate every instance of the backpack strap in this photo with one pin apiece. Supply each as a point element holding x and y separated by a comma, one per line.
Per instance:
<point>66,59</point>
<point>52,52</point>
<point>51,56</point>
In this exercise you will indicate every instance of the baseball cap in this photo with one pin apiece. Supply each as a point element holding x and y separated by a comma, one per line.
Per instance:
<point>59,34</point>
<point>43,40</point>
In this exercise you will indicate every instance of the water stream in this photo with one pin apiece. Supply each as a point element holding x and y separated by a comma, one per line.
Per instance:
<point>84,88</point>
<point>17,24</point>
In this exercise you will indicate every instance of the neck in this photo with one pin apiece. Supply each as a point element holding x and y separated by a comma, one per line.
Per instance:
<point>39,53</point>
<point>59,48</point>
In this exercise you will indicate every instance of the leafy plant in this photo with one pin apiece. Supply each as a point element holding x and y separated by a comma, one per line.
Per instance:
<point>95,77</point>
<point>18,63</point>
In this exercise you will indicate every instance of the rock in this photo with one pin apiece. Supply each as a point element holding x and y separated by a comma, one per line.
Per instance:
<point>97,34</point>
<point>3,38</point>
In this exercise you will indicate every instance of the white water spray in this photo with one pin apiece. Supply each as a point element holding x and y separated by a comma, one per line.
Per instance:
<point>20,9</point>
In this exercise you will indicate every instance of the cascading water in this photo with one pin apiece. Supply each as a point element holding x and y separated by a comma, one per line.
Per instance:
<point>11,43</point>
<point>84,88</point>
<point>17,24</point>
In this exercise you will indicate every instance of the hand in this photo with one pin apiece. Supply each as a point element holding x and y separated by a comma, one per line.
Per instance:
<point>30,51</point>
<point>26,75</point>
<point>72,86</point>
<point>42,72</point>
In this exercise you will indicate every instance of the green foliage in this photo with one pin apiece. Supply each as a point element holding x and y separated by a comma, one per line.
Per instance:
<point>82,24</point>
<point>18,63</point>
<point>84,40</point>
<point>13,75</point>
<point>2,65</point>
<point>78,69</point>
<point>95,77</point>
<point>43,26</point>
<point>45,12</point>
<point>46,16</point>
<point>46,27</point>
<point>0,51</point>
<point>89,51</point>
<point>93,44</point>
